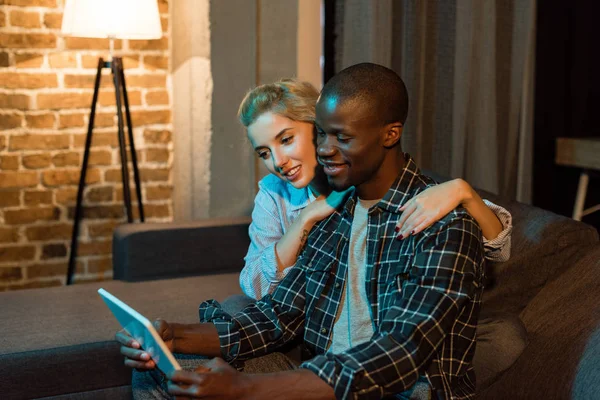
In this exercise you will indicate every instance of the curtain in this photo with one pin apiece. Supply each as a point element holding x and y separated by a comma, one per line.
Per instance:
<point>468,66</point>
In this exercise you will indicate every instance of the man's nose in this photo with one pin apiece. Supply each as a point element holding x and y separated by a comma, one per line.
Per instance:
<point>324,146</point>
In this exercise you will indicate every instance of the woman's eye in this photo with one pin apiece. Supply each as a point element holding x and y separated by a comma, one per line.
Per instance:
<point>263,154</point>
<point>287,139</point>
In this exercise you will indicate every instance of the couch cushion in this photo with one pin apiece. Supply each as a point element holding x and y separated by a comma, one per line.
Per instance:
<point>563,320</point>
<point>55,337</point>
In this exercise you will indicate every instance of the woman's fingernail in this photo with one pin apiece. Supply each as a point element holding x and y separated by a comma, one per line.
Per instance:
<point>400,237</point>
<point>412,232</point>
<point>397,229</point>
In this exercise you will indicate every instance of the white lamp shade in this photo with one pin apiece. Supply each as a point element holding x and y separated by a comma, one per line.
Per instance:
<point>119,19</point>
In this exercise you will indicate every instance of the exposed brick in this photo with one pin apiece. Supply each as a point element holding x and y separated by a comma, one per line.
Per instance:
<point>16,101</point>
<point>100,194</point>
<point>88,61</point>
<point>31,3</point>
<point>157,98</point>
<point>157,44</point>
<point>9,235</point>
<point>36,161</point>
<point>71,121</point>
<point>100,212</point>
<point>28,40</point>
<point>112,175</point>
<point>18,80</point>
<point>4,60</point>
<point>54,250</point>
<point>29,60</point>
<point>107,98</point>
<point>9,162</point>
<point>95,248</point>
<point>156,211</point>
<point>40,121</point>
<point>53,20</point>
<point>51,269</point>
<point>99,139</point>
<point>62,60</point>
<point>39,142</point>
<point>148,117</point>
<point>29,215</point>
<point>102,229</point>
<point>10,274</point>
<point>66,159</point>
<point>147,81</point>
<point>157,136</point>
<point>154,175</point>
<point>49,232</point>
<point>164,22</point>
<point>69,177</point>
<point>59,101</point>
<point>157,155</point>
<point>158,192</point>
<point>130,62</point>
<point>10,121</point>
<point>25,19</point>
<point>17,253</point>
<point>2,19</point>
<point>9,179</point>
<point>37,197</point>
<point>119,195</point>
<point>156,62</point>
<point>10,198</point>
<point>2,142</point>
<point>79,81</point>
<point>105,119</point>
<point>163,6</point>
<point>66,196</point>
<point>77,43</point>
<point>99,265</point>
<point>100,157</point>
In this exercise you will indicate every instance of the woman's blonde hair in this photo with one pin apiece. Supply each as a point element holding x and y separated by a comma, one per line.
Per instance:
<point>289,98</point>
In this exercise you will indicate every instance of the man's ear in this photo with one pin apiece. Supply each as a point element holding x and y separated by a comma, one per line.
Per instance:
<point>393,134</point>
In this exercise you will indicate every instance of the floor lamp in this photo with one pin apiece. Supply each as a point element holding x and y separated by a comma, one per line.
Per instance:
<point>112,19</point>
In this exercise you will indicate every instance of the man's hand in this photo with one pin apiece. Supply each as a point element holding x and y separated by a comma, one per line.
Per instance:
<point>137,358</point>
<point>214,380</point>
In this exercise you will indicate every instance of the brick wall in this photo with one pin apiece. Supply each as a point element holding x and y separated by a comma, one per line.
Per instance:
<point>46,86</point>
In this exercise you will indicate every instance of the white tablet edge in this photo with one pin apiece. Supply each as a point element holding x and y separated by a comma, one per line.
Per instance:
<point>144,321</point>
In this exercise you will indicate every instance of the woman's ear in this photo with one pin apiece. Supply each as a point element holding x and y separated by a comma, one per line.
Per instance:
<point>393,134</point>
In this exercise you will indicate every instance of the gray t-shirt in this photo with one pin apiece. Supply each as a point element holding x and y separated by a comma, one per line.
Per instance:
<point>353,323</point>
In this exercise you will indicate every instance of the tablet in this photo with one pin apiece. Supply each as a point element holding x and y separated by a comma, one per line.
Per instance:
<point>140,328</point>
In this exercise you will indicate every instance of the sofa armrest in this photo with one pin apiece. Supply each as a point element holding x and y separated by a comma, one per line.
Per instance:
<point>145,251</point>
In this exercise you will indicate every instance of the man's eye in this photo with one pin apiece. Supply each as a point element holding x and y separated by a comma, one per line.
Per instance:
<point>287,140</point>
<point>320,133</point>
<point>342,138</point>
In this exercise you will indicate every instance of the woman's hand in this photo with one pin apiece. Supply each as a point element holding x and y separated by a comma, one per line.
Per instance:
<point>430,206</point>
<point>137,358</point>
<point>323,206</point>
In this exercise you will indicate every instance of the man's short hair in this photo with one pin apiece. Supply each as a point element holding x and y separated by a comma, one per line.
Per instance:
<point>374,86</point>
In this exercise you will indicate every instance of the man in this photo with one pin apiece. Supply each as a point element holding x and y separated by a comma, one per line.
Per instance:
<point>379,316</point>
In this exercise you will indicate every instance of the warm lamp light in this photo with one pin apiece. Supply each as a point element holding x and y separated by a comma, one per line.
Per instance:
<point>112,19</point>
<point>115,19</point>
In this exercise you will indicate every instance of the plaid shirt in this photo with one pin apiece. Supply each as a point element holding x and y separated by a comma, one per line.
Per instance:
<point>424,293</point>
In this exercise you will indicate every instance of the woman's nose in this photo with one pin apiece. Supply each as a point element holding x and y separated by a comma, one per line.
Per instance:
<point>279,160</point>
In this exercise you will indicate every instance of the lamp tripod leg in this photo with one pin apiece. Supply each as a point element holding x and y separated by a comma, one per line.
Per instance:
<point>84,165</point>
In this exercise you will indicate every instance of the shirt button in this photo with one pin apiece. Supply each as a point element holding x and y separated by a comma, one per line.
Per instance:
<point>337,285</point>
<point>310,264</point>
<point>324,331</point>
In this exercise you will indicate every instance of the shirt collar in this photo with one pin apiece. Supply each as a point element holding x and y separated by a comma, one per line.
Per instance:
<point>300,198</point>
<point>402,190</point>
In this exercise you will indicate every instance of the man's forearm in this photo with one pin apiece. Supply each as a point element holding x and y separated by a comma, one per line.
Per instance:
<point>300,384</point>
<point>201,339</point>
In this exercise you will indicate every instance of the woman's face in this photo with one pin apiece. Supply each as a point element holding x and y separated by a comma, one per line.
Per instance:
<point>286,147</point>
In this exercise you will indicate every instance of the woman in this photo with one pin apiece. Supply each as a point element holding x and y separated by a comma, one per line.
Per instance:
<point>279,119</point>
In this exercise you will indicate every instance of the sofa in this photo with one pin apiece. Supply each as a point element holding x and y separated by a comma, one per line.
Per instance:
<point>57,343</point>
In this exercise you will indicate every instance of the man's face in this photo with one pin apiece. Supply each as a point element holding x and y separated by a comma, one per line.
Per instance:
<point>349,143</point>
